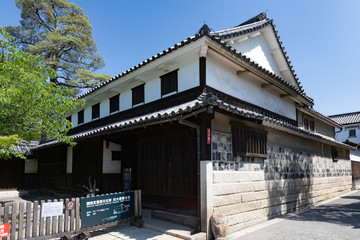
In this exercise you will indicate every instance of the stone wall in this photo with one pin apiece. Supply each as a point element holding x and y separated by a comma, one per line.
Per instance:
<point>251,190</point>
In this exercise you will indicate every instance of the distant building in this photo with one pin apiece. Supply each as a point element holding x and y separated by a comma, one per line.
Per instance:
<point>350,134</point>
<point>216,123</point>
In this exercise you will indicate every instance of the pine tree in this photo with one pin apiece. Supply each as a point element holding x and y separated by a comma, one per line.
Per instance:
<point>60,32</point>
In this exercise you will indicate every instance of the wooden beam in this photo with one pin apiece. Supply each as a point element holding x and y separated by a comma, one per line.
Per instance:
<point>254,34</point>
<point>265,85</point>
<point>241,39</point>
<point>284,95</point>
<point>242,73</point>
<point>203,50</point>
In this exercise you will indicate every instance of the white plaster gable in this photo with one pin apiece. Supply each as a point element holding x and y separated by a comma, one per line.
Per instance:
<point>262,47</point>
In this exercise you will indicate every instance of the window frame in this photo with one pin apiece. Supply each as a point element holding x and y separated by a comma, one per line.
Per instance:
<point>136,93</point>
<point>117,101</point>
<point>308,124</point>
<point>248,141</point>
<point>352,131</point>
<point>80,119</point>
<point>169,83</point>
<point>95,111</point>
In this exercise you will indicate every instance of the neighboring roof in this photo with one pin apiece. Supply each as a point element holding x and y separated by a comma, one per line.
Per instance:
<point>254,24</point>
<point>217,37</point>
<point>191,108</point>
<point>24,147</point>
<point>351,143</point>
<point>346,118</point>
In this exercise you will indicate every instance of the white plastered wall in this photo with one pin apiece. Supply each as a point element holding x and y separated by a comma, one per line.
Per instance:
<point>224,78</point>
<point>110,166</point>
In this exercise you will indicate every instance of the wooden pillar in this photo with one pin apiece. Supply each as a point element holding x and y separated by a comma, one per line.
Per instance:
<point>205,134</point>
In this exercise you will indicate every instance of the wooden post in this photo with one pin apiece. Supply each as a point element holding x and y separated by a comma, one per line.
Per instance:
<point>48,224</point>
<point>66,220</point>
<point>136,210</point>
<point>77,214</point>
<point>35,229</point>
<point>139,202</point>
<point>72,218</point>
<point>28,220</point>
<point>42,221</point>
<point>54,222</point>
<point>14,210</point>
<point>61,220</point>
<point>21,220</point>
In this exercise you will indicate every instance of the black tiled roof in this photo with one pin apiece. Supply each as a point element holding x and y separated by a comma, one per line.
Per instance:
<point>219,39</point>
<point>346,118</point>
<point>175,113</point>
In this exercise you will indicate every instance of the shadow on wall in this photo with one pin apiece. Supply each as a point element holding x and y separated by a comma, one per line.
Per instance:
<point>289,178</point>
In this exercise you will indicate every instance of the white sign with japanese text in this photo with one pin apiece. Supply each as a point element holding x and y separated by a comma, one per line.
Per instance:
<point>51,209</point>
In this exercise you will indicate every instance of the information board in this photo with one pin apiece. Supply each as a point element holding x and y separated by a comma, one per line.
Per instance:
<point>51,209</point>
<point>108,208</point>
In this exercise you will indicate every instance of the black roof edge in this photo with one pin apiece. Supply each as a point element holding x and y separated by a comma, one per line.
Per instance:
<point>257,18</point>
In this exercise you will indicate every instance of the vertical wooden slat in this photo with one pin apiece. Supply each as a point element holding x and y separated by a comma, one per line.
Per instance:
<point>61,220</point>
<point>54,222</point>
<point>72,217</point>
<point>6,212</point>
<point>28,220</point>
<point>139,202</point>
<point>136,211</point>
<point>14,210</point>
<point>35,230</point>
<point>66,220</point>
<point>48,224</point>
<point>21,220</point>
<point>77,214</point>
<point>42,221</point>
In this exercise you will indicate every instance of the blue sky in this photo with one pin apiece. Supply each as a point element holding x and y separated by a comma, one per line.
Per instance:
<point>322,38</point>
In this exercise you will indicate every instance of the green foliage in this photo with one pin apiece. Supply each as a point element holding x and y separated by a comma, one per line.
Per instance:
<point>60,32</point>
<point>30,105</point>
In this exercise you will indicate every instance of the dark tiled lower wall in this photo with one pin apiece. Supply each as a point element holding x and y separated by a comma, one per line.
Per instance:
<point>282,163</point>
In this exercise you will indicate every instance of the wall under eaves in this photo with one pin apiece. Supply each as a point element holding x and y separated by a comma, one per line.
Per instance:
<point>222,76</point>
<point>296,173</point>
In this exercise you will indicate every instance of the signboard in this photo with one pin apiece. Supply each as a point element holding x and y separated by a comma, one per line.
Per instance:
<point>70,205</point>
<point>4,230</point>
<point>51,209</point>
<point>208,137</point>
<point>108,208</point>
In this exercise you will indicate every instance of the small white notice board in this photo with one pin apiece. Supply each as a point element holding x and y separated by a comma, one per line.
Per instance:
<point>51,209</point>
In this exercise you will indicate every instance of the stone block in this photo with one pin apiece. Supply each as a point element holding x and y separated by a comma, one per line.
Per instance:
<point>237,176</point>
<point>253,196</point>
<point>230,188</point>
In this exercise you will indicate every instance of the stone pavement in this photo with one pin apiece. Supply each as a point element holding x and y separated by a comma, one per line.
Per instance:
<point>153,229</point>
<point>334,219</point>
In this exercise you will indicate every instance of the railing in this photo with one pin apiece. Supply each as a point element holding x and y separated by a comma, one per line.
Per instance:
<point>26,221</point>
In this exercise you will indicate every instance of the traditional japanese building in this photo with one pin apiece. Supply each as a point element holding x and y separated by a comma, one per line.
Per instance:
<point>216,123</point>
<point>350,134</point>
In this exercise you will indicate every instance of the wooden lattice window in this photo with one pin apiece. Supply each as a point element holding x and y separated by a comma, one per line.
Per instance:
<point>169,82</point>
<point>81,117</point>
<point>95,111</point>
<point>138,94</point>
<point>114,103</point>
<point>249,141</point>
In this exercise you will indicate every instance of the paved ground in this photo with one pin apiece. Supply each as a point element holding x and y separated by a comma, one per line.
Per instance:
<point>125,231</point>
<point>336,219</point>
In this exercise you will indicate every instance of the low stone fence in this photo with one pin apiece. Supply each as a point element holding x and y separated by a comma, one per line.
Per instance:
<point>254,191</point>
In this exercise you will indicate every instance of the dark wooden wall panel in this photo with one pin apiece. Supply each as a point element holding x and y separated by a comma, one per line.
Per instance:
<point>355,166</point>
<point>167,166</point>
